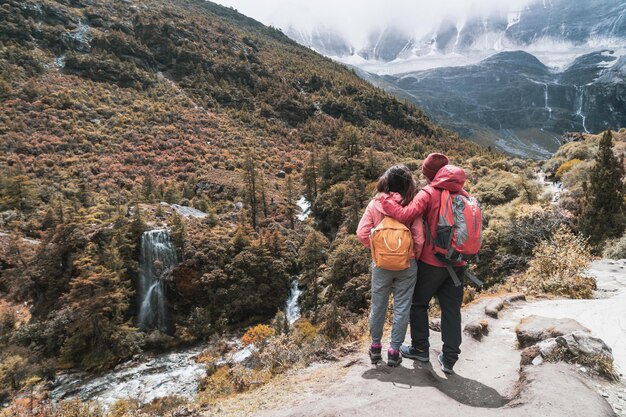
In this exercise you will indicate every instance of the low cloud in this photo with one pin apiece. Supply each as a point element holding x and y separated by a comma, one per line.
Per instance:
<point>356,19</point>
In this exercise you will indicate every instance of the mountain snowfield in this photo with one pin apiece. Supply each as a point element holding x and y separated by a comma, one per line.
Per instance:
<point>555,31</point>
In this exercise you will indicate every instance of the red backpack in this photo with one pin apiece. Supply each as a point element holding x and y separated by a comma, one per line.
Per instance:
<point>458,235</point>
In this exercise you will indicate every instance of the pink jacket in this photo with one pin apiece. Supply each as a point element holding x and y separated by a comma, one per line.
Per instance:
<point>426,203</point>
<point>375,214</point>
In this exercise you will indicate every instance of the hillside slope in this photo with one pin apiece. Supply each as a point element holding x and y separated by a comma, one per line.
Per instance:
<point>110,108</point>
<point>167,87</point>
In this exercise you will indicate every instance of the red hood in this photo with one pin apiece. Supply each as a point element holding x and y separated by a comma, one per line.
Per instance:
<point>377,201</point>
<point>450,177</point>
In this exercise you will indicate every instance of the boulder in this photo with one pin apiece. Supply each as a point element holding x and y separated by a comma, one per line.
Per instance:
<point>514,298</point>
<point>477,329</point>
<point>529,354</point>
<point>547,347</point>
<point>580,343</point>
<point>494,307</point>
<point>534,329</point>
<point>536,353</point>
<point>281,174</point>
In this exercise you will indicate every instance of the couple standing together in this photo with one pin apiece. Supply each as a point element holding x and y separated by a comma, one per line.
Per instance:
<point>414,287</point>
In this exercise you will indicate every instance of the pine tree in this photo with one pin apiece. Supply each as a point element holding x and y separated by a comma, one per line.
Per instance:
<point>250,179</point>
<point>325,172</point>
<point>290,202</point>
<point>148,189</point>
<point>49,220</point>
<point>240,240</point>
<point>17,191</point>
<point>312,256</point>
<point>309,179</point>
<point>353,204</point>
<point>85,194</point>
<point>349,146</point>
<point>603,209</point>
<point>263,194</point>
<point>94,331</point>
<point>372,167</point>
<point>179,234</point>
<point>137,225</point>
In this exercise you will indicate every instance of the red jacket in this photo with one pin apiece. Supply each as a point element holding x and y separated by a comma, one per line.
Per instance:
<point>375,214</point>
<point>426,203</point>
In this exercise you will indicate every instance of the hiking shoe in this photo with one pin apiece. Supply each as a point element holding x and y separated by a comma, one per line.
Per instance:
<point>375,353</point>
<point>446,367</point>
<point>393,357</point>
<point>414,353</point>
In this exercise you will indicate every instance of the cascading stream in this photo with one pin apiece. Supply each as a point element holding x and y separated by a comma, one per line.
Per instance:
<point>156,261</point>
<point>292,309</point>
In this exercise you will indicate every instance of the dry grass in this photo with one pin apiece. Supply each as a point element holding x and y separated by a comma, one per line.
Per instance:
<point>557,267</point>
<point>597,364</point>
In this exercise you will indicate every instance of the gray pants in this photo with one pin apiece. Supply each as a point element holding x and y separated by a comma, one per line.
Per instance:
<point>402,284</point>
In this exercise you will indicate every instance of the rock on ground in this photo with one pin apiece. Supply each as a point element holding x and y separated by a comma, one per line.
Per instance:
<point>581,343</point>
<point>494,307</point>
<point>477,329</point>
<point>514,298</point>
<point>534,329</point>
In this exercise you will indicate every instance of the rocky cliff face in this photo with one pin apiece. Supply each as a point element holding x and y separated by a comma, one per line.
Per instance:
<point>512,95</point>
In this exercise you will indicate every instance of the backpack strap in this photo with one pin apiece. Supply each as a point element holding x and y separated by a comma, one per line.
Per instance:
<point>466,273</point>
<point>473,278</point>
<point>455,277</point>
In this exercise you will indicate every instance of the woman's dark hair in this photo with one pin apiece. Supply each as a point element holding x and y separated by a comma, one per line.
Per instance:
<point>400,180</point>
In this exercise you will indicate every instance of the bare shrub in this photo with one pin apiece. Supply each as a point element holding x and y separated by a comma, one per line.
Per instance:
<point>598,364</point>
<point>557,266</point>
<point>616,249</point>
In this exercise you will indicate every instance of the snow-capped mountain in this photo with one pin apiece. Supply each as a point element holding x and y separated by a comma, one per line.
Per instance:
<point>556,31</point>
<point>516,79</point>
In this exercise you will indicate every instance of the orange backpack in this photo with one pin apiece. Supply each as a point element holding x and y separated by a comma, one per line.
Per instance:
<point>392,245</point>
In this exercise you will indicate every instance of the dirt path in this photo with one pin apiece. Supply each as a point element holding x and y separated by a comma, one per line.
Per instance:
<point>488,382</point>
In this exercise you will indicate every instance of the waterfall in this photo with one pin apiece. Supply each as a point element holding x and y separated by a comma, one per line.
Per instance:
<point>292,309</point>
<point>545,96</point>
<point>579,104</point>
<point>156,261</point>
<point>305,208</point>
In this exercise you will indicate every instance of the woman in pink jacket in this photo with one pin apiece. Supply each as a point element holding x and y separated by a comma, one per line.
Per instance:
<point>397,182</point>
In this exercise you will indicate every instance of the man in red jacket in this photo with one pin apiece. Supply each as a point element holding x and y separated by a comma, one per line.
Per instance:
<point>433,278</point>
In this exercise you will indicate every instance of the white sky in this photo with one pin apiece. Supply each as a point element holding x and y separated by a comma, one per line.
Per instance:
<point>355,19</point>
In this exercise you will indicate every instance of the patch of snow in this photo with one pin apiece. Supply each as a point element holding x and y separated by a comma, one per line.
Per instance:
<point>513,18</point>
<point>556,54</point>
<point>188,211</point>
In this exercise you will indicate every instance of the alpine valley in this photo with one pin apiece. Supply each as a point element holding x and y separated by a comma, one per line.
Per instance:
<point>517,78</point>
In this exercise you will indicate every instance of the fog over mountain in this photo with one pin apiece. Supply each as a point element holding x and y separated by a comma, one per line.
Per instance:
<point>398,36</point>
<point>411,48</point>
